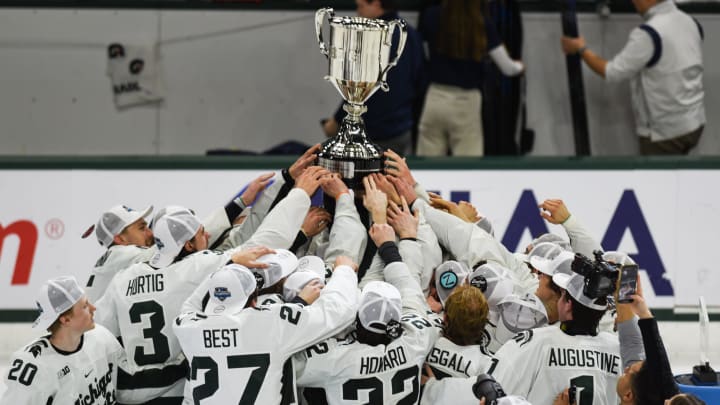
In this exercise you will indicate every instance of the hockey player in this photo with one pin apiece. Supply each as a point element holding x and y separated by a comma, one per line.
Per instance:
<point>240,354</point>
<point>380,362</point>
<point>77,363</point>
<point>540,363</point>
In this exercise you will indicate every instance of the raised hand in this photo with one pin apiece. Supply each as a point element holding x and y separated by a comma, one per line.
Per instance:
<point>402,220</point>
<point>255,187</point>
<point>375,201</point>
<point>345,261</point>
<point>310,179</point>
<point>471,213</point>
<point>384,185</point>
<point>311,291</point>
<point>448,206</point>
<point>333,185</point>
<point>554,211</point>
<point>316,220</point>
<point>381,233</point>
<point>249,256</point>
<point>404,189</point>
<point>304,161</point>
<point>396,166</point>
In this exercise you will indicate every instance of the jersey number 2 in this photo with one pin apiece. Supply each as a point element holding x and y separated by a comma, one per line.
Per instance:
<point>261,363</point>
<point>161,350</point>
<point>351,388</point>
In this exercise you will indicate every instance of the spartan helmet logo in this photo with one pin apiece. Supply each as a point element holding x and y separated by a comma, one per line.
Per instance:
<point>136,66</point>
<point>479,282</point>
<point>116,51</point>
<point>259,279</point>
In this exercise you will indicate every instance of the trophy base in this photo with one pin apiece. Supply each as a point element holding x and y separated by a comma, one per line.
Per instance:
<point>351,170</point>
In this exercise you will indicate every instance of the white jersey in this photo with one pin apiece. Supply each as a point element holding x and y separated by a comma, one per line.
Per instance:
<point>540,363</point>
<point>446,359</point>
<point>270,299</point>
<point>115,259</point>
<point>140,306</point>
<point>41,374</point>
<point>351,372</point>
<point>245,357</point>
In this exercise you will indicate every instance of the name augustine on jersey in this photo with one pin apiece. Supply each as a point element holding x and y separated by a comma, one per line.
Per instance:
<point>99,391</point>
<point>570,357</point>
<point>145,284</point>
<point>392,358</point>
<point>452,361</point>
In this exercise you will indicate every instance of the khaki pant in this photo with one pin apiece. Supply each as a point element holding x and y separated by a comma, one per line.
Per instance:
<point>680,145</point>
<point>451,120</point>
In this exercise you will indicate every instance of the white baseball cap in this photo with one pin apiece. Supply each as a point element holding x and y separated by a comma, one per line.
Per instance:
<point>280,265</point>
<point>492,279</point>
<point>316,265</point>
<point>380,304</point>
<point>167,210</point>
<point>57,295</point>
<point>448,276</point>
<point>113,221</point>
<point>297,281</point>
<point>553,238</point>
<point>562,263</point>
<point>229,289</point>
<point>519,313</point>
<point>574,284</point>
<point>171,231</point>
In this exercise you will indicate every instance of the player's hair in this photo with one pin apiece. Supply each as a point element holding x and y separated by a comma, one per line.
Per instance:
<point>276,288</point>
<point>466,312</point>
<point>462,30</point>
<point>368,337</point>
<point>55,326</point>
<point>556,288</point>
<point>585,320</point>
<point>686,399</point>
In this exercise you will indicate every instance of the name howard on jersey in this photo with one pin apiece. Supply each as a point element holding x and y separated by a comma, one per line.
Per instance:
<point>99,391</point>
<point>218,338</point>
<point>392,358</point>
<point>569,357</point>
<point>145,284</point>
<point>449,360</point>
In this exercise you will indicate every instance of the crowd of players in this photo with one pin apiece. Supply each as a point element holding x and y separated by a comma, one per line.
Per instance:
<point>269,300</point>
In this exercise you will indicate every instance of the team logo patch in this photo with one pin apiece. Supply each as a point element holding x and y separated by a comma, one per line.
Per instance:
<point>259,280</point>
<point>222,293</point>
<point>159,243</point>
<point>393,329</point>
<point>448,280</point>
<point>116,51</point>
<point>479,282</point>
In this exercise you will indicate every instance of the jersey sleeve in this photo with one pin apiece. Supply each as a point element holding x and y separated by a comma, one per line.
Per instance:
<point>333,311</point>
<point>348,236</point>
<point>520,350</point>
<point>106,313</point>
<point>27,381</point>
<point>281,225</point>
<point>449,390</point>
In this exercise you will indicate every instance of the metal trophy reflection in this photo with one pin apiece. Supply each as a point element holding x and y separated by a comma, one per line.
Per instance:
<point>359,59</point>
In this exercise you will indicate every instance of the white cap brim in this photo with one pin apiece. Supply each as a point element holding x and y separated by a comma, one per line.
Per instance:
<point>542,265</point>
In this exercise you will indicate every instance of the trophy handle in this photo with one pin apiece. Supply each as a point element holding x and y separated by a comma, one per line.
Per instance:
<point>402,25</point>
<point>318,27</point>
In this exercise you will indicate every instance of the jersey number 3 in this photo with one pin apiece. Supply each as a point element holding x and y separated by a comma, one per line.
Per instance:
<point>161,350</point>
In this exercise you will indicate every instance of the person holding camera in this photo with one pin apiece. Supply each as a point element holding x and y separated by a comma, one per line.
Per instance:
<point>575,354</point>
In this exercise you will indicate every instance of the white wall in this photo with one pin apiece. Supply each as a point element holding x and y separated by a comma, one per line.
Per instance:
<point>249,80</point>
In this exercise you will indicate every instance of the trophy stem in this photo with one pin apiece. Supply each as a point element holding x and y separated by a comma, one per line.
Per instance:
<point>354,111</point>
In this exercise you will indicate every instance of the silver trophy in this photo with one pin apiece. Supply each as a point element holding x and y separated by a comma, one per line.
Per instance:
<point>359,59</point>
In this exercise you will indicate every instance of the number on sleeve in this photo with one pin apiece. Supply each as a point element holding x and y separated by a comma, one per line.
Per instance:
<point>27,374</point>
<point>161,350</point>
<point>585,389</point>
<point>286,313</point>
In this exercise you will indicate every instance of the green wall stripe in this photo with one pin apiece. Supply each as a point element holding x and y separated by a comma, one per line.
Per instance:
<point>276,162</point>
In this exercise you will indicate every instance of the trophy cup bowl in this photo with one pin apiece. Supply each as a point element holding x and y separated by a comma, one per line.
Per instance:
<point>359,59</point>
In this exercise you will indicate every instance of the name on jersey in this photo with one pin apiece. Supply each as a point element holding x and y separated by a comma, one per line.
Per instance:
<point>214,338</point>
<point>450,360</point>
<point>569,357</point>
<point>101,391</point>
<point>145,284</point>
<point>392,358</point>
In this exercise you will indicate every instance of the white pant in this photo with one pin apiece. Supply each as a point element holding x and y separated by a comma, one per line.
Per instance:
<point>451,120</point>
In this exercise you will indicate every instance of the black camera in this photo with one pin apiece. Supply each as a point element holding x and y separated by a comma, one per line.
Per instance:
<point>486,387</point>
<point>600,275</point>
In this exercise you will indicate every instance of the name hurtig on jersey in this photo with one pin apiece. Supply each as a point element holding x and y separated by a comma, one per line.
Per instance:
<point>450,360</point>
<point>99,391</point>
<point>570,357</point>
<point>392,358</point>
<point>145,284</point>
